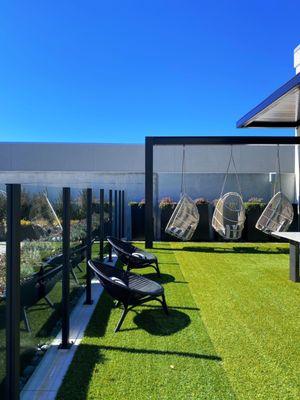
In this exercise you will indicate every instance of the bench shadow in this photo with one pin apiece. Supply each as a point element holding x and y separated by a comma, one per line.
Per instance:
<point>155,322</point>
<point>162,279</point>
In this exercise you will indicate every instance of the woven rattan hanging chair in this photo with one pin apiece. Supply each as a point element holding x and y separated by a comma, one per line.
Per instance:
<point>185,218</point>
<point>278,214</point>
<point>229,214</point>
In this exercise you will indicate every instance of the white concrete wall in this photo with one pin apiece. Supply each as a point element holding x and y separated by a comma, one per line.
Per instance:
<point>113,166</point>
<point>130,158</point>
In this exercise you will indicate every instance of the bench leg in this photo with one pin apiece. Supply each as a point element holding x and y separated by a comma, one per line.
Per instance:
<point>121,319</point>
<point>156,267</point>
<point>164,304</point>
<point>49,302</point>
<point>26,320</point>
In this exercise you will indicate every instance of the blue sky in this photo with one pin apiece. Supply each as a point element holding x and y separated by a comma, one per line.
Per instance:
<point>115,71</point>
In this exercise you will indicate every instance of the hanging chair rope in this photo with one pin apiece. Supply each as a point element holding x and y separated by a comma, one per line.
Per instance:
<point>278,214</point>
<point>231,160</point>
<point>185,217</point>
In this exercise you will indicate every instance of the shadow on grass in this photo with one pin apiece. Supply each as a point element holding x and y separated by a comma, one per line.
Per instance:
<point>87,356</point>
<point>97,327</point>
<point>77,380</point>
<point>163,278</point>
<point>171,307</point>
<point>233,250</point>
<point>155,322</point>
<point>162,352</point>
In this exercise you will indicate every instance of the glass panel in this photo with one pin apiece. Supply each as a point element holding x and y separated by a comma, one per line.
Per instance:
<point>41,272</point>
<point>2,288</point>
<point>77,244</point>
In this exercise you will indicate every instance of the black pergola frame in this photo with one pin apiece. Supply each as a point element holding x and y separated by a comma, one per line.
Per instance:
<point>152,141</point>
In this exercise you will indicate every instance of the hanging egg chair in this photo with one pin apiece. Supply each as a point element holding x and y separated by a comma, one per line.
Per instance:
<point>229,214</point>
<point>278,214</point>
<point>185,218</point>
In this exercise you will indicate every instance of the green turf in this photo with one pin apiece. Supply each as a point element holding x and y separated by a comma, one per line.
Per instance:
<point>251,312</point>
<point>233,332</point>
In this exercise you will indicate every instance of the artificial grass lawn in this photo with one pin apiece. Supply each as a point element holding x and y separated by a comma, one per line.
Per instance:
<point>232,333</point>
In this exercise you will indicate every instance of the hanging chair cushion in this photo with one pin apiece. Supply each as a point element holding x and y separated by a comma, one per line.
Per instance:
<point>117,280</point>
<point>277,216</point>
<point>184,220</point>
<point>229,216</point>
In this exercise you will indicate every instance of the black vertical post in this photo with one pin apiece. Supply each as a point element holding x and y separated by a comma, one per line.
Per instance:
<point>65,327</point>
<point>116,214</point>
<point>149,229</point>
<point>88,289</point>
<point>123,213</point>
<point>110,212</point>
<point>101,226</point>
<point>294,262</point>
<point>13,292</point>
<point>120,215</point>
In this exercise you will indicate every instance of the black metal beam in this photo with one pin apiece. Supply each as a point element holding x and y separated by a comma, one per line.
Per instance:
<point>110,216</point>
<point>88,290</point>
<point>65,321</point>
<point>123,213</point>
<point>120,215</point>
<point>13,292</point>
<point>149,226</point>
<point>101,225</point>
<point>266,124</point>
<point>221,140</point>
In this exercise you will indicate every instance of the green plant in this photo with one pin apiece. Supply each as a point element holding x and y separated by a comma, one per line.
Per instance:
<point>254,203</point>
<point>133,203</point>
<point>166,202</point>
<point>201,200</point>
<point>33,254</point>
<point>78,230</point>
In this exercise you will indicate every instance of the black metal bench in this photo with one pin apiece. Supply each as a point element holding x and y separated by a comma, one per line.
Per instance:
<point>127,288</point>
<point>133,257</point>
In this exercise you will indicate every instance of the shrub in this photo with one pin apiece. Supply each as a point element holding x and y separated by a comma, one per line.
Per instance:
<point>254,203</point>
<point>166,202</point>
<point>201,200</point>
<point>25,222</point>
<point>133,203</point>
<point>142,203</point>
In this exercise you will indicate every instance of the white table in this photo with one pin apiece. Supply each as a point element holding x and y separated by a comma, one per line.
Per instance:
<point>294,240</point>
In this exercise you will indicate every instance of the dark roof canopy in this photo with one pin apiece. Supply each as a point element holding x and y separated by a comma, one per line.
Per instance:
<point>280,109</point>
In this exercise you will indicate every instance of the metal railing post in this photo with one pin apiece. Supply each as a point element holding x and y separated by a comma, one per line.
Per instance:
<point>65,323</point>
<point>13,310</point>
<point>101,226</point>
<point>123,213</point>
<point>116,214</point>
<point>120,215</point>
<point>110,211</point>
<point>88,289</point>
